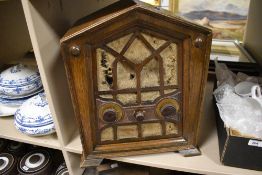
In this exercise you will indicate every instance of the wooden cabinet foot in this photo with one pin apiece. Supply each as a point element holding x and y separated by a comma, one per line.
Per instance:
<point>190,152</point>
<point>90,161</point>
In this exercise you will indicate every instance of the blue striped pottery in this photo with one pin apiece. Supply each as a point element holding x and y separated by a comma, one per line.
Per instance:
<point>20,91</point>
<point>36,131</point>
<point>18,97</point>
<point>19,80</point>
<point>33,117</point>
<point>19,75</point>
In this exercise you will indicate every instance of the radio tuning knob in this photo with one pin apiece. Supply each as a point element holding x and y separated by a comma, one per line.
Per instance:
<point>168,111</point>
<point>139,115</point>
<point>109,116</point>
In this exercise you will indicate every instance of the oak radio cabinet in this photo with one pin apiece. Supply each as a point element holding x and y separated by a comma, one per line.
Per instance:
<point>137,76</point>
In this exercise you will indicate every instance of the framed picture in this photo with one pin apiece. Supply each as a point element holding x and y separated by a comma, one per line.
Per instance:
<point>226,18</point>
<point>153,2</point>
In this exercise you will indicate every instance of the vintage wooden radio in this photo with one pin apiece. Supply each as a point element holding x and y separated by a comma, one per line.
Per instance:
<point>137,75</point>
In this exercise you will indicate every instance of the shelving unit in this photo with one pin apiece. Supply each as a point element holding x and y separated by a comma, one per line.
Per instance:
<point>74,145</point>
<point>46,22</point>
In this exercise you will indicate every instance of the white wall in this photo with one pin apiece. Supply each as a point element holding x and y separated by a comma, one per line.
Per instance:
<point>253,34</point>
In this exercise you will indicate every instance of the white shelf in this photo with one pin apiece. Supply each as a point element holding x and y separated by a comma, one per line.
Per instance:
<point>8,131</point>
<point>74,146</point>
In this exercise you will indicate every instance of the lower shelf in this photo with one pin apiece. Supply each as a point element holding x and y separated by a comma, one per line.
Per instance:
<point>8,131</point>
<point>74,146</point>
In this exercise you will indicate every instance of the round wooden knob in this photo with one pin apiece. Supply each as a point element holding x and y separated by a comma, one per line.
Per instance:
<point>168,111</point>
<point>110,115</point>
<point>198,42</point>
<point>75,51</point>
<point>139,115</point>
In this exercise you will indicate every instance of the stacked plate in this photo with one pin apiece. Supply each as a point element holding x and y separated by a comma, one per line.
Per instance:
<point>38,162</point>
<point>8,164</point>
<point>17,84</point>
<point>62,170</point>
<point>34,118</point>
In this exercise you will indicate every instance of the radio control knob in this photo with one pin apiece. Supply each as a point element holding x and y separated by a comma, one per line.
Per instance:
<point>139,115</point>
<point>168,111</point>
<point>110,115</point>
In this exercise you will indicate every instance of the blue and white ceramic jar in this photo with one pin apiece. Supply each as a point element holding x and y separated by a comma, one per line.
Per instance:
<point>19,81</point>
<point>34,118</point>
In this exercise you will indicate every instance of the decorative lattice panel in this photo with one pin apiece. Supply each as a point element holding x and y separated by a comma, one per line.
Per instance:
<point>136,69</point>
<point>137,66</point>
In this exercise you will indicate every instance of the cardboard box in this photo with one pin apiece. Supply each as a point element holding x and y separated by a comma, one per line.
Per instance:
<point>237,150</point>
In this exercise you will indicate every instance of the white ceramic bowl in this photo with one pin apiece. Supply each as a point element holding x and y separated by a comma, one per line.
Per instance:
<point>244,88</point>
<point>21,91</point>
<point>32,121</point>
<point>19,80</point>
<point>33,117</point>
<point>36,131</point>
<point>8,97</point>
<point>19,75</point>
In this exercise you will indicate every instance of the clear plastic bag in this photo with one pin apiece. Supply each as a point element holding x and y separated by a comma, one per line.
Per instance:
<point>239,113</point>
<point>244,77</point>
<point>224,75</point>
<point>244,118</point>
<point>224,91</point>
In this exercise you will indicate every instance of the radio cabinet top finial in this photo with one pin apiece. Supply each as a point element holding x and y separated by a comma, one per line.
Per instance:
<point>136,75</point>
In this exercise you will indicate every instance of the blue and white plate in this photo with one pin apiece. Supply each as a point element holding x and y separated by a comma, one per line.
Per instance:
<point>13,102</point>
<point>7,110</point>
<point>19,75</point>
<point>37,91</point>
